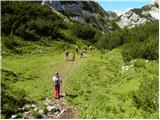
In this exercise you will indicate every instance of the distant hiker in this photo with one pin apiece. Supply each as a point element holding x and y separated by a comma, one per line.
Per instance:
<point>90,47</point>
<point>57,80</point>
<point>77,49</point>
<point>74,56</point>
<point>67,54</point>
<point>82,54</point>
<point>85,48</point>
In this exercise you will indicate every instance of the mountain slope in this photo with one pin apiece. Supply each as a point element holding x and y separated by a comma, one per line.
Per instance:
<point>139,15</point>
<point>112,14</point>
<point>89,12</point>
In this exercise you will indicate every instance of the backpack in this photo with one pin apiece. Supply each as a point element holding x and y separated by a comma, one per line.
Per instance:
<point>57,81</point>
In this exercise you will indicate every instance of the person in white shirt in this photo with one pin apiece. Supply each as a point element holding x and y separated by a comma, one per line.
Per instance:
<point>57,81</point>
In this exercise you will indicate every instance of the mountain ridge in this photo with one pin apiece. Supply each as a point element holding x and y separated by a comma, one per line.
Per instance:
<point>138,16</point>
<point>85,12</point>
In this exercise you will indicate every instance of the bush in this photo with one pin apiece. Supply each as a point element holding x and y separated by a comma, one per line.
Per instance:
<point>30,21</point>
<point>11,99</point>
<point>138,42</point>
<point>86,32</point>
<point>10,42</point>
<point>146,97</point>
<point>146,50</point>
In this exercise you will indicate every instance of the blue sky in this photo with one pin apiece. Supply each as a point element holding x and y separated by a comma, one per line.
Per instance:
<point>111,5</point>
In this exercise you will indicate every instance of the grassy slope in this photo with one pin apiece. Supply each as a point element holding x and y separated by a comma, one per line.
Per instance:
<point>97,86</point>
<point>101,89</point>
<point>34,72</point>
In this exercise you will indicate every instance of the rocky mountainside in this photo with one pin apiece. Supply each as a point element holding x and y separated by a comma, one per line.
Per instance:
<point>139,15</point>
<point>84,12</point>
<point>112,14</point>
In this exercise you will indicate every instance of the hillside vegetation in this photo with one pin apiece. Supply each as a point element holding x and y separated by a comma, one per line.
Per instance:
<point>138,42</point>
<point>117,79</point>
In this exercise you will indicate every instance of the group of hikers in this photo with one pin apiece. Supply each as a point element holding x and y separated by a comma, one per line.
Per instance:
<point>57,80</point>
<point>77,51</point>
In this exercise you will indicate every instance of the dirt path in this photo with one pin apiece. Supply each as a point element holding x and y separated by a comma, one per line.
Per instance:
<point>69,111</point>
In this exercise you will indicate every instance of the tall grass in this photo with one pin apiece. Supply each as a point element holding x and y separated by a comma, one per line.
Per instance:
<point>101,88</point>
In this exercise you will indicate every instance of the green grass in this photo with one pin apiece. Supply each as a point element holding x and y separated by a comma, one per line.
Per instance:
<point>96,85</point>
<point>35,73</point>
<point>99,88</point>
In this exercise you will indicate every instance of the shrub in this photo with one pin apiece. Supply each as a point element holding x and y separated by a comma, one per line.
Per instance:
<point>10,42</point>
<point>146,97</point>
<point>138,42</point>
<point>11,99</point>
<point>86,32</point>
<point>147,50</point>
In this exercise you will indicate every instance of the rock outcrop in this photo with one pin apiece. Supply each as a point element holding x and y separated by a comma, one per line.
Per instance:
<point>85,12</point>
<point>139,15</point>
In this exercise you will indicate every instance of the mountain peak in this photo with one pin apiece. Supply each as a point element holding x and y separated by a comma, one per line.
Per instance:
<point>154,1</point>
<point>138,16</point>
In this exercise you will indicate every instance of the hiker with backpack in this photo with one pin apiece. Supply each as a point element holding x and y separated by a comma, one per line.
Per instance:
<point>57,81</point>
<point>67,54</point>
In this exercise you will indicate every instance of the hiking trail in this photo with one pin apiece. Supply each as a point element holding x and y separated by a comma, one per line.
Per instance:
<point>69,112</point>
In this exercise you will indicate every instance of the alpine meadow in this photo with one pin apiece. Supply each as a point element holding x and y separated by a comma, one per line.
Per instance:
<point>112,75</point>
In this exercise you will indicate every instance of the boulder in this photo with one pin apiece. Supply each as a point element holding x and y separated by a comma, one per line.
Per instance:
<point>40,111</point>
<point>14,116</point>
<point>33,105</point>
<point>51,108</point>
<point>26,115</point>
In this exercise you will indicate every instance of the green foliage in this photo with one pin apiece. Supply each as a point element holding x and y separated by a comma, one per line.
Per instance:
<point>86,32</point>
<point>10,42</point>
<point>138,42</point>
<point>34,28</point>
<point>147,50</point>
<point>146,97</point>
<point>30,21</point>
<point>105,90</point>
<point>11,99</point>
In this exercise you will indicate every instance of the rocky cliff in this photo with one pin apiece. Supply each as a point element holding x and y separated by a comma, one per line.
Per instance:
<point>139,15</point>
<point>89,12</point>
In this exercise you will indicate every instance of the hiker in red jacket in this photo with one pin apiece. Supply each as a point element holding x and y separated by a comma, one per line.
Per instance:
<point>57,80</point>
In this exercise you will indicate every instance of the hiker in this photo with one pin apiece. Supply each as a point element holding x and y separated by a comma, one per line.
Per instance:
<point>90,47</point>
<point>74,56</point>
<point>57,80</point>
<point>85,48</point>
<point>82,54</point>
<point>67,54</point>
<point>77,50</point>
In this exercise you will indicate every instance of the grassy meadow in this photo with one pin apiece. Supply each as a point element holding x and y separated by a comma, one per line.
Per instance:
<point>117,79</point>
<point>99,86</point>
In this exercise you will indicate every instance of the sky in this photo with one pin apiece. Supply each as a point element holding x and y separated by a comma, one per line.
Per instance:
<point>112,5</point>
